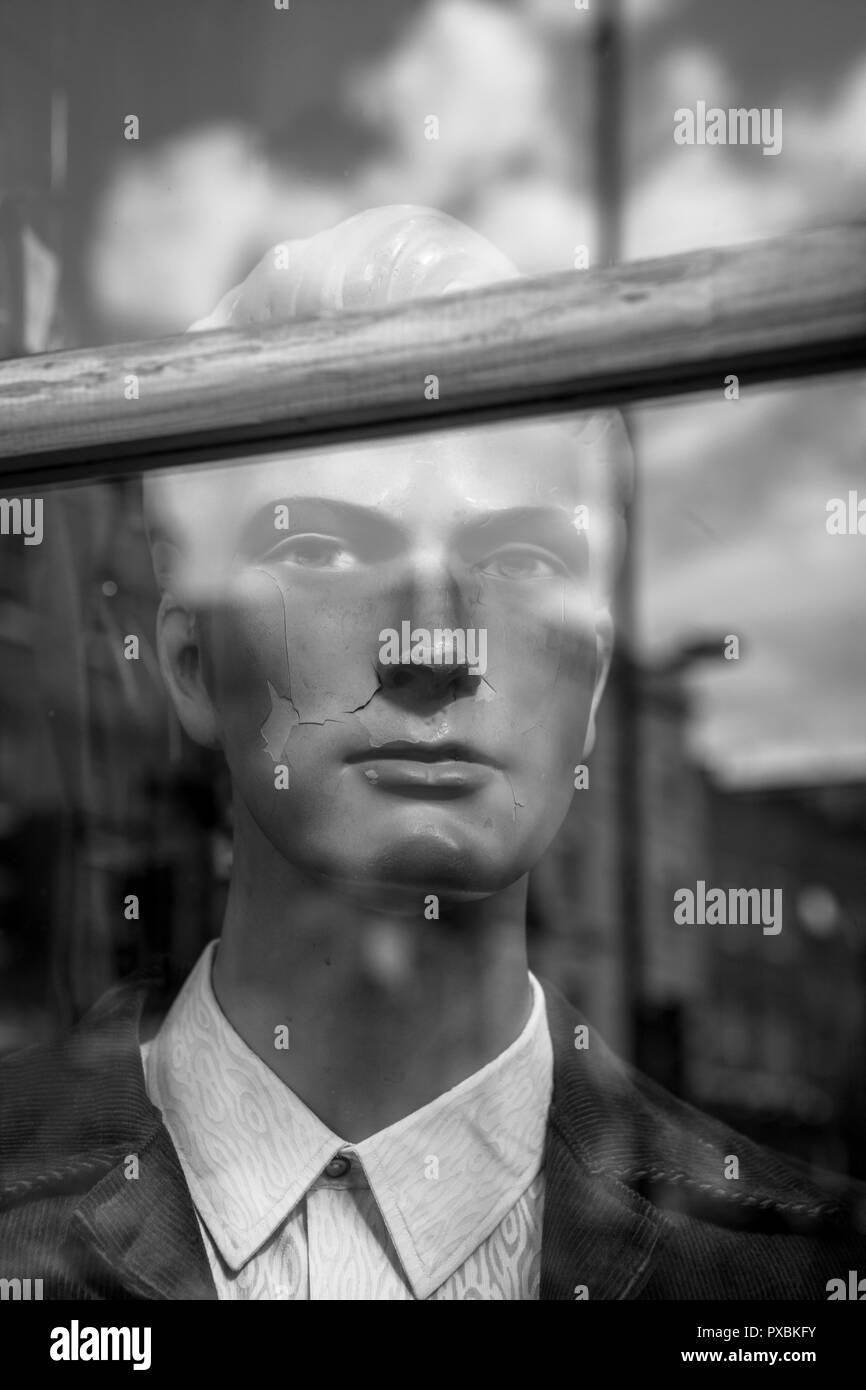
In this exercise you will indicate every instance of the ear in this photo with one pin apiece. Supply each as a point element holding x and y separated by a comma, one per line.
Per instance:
<point>604,651</point>
<point>181,660</point>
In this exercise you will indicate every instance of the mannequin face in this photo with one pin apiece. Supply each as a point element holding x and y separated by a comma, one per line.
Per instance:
<point>447,774</point>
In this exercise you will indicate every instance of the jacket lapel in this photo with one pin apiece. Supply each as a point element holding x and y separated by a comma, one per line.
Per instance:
<point>144,1228</point>
<point>80,1120</point>
<point>600,1238</point>
<point>138,1219</point>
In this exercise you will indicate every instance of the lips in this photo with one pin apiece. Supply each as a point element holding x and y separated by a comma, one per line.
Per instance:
<point>431,770</point>
<point>405,750</point>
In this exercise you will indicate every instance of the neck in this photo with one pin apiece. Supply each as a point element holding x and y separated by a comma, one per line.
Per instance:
<point>384,1013</point>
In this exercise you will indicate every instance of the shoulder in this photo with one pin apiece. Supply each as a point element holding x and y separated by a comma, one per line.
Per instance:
<point>71,1104</point>
<point>733,1219</point>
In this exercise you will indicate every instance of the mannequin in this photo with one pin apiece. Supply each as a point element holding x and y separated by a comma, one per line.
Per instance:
<point>386,813</point>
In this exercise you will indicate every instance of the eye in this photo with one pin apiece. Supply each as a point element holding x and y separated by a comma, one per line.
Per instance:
<point>313,552</point>
<point>522,562</point>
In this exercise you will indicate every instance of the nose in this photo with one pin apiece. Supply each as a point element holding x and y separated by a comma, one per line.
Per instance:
<point>432,653</point>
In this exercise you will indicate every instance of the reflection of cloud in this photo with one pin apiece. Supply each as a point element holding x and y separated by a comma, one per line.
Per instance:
<point>731,538</point>
<point>489,111</point>
<point>734,537</point>
<point>832,137</point>
<point>687,72</point>
<point>761,565</point>
<point>172,227</point>
<point>538,222</point>
<point>502,159</point>
<point>494,115</point>
<point>692,196</point>
<point>176,228</point>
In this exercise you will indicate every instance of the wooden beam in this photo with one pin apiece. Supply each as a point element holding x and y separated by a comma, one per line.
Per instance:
<point>765,311</point>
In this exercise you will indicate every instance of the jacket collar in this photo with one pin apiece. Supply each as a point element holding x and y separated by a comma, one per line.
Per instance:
<point>600,1238</point>
<point>75,1118</point>
<point>92,1114</point>
<point>144,1228</point>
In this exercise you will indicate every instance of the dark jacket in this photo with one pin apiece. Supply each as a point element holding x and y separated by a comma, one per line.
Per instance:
<point>637,1204</point>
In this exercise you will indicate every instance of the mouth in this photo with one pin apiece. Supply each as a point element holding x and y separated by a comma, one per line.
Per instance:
<point>430,770</point>
<point>404,750</point>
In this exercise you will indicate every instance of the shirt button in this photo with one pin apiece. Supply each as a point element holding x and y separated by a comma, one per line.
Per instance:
<point>338,1167</point>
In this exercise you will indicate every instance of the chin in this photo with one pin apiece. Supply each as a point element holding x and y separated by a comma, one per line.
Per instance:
<point>454,866</point>
<point>404,900</point>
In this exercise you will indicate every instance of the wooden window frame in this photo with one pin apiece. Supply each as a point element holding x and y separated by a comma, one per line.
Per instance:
<point>766,311</point>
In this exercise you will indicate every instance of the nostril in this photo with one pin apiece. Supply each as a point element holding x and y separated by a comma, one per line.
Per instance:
<point>400,676</point>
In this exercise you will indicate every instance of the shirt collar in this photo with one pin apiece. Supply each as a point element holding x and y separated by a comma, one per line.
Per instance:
<point>443,1177</point>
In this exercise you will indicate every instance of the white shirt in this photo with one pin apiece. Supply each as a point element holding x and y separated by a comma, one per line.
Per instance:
<point>446,1204</point>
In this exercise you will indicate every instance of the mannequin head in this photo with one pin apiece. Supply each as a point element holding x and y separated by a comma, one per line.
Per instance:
<point>399,646</point>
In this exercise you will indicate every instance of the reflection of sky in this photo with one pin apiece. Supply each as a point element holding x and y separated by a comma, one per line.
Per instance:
<point>735,542</point>
<point>735,492</point>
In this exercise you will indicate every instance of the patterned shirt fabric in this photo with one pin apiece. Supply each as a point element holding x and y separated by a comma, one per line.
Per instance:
<point>445,1204</point>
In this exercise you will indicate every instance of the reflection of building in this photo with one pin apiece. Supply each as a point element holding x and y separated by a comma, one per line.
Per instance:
<point>100,799</point>
<point>766,1030</point>
<point>579,939</point>
<point>780,1036</point>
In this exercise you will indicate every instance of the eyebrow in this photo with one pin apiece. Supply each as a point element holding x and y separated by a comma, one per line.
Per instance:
<point>329,515</point>
<point>314,514</point>
<point>523,518</point>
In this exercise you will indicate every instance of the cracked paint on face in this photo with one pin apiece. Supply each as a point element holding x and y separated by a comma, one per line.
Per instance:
<point>468,530</point>
<point>282,719</point>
